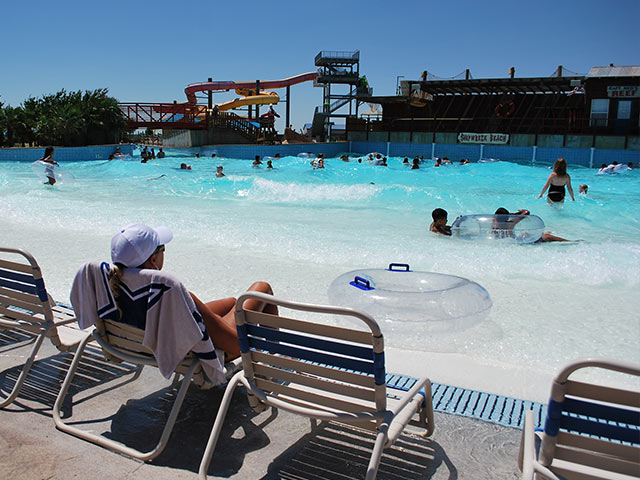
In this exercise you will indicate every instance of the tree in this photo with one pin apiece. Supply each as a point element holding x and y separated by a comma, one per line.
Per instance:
<point>63,118</point>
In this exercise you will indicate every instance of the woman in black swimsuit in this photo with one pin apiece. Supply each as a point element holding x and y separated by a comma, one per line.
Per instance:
<point>556,183</point>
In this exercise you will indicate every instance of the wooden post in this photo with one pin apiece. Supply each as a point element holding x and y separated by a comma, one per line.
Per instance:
<point>257,93</point>
<point>288,105</point>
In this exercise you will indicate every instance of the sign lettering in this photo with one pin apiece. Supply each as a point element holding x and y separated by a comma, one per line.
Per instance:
<point>490,138</point>
<point>619,91</point>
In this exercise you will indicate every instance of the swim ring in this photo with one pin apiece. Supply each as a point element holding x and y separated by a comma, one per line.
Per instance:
<point>518,228</point>
<point>307,155</point>
<point>488,160</point>
<point>421,302</point>
<point>45,170</point>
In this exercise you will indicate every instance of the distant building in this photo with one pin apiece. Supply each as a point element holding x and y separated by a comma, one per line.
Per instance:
<point>601,109</point>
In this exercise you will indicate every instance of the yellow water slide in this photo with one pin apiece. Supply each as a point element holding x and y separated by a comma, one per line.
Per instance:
<point>264,97</point>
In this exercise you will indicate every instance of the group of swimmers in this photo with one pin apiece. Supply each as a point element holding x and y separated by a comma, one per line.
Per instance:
<point>147,154</point>
<point>503,224</point>
<point>614,167</point>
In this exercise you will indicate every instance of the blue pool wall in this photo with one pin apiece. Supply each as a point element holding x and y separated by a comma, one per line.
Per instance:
<point>586,157</point>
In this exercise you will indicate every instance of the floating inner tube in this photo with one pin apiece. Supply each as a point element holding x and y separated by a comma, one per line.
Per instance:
<point>415,302</point>
<point>488,160</point>
<point>518,228</point>
<point>45,170</point>
<point>307,155</point>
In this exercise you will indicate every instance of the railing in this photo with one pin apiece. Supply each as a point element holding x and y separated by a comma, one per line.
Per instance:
<point>236,123</point>
<point>512,125</point>
<point>340,55</point>
<point>164,115</point>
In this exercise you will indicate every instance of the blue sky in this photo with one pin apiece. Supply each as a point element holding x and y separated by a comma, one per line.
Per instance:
<point>150,51</point>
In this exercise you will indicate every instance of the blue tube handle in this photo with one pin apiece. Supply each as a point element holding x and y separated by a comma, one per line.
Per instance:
<point>400,265</point>
<point>361,283</point>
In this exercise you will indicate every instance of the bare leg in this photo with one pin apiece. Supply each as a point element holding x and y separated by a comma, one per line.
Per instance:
<point>548,237</point>
<point>221,328</point>
<point>218,316</point>
<point>257,306</point>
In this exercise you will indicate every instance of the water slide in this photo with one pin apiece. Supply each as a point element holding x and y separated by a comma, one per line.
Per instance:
<point>244,87</point>
<point>264,97</point>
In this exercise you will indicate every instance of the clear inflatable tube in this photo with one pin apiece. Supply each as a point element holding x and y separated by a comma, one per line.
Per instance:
<point>307,155</point>
<point>413,302</point>
<point>46,170</point>
<point>517,228</point>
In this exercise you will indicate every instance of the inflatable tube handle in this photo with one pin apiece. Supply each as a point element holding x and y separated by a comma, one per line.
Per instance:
<point>361,283</point>
<point>400,265</point>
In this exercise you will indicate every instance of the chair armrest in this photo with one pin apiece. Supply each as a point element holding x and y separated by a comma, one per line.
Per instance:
<point>408,396</point>
<point>526,454</point>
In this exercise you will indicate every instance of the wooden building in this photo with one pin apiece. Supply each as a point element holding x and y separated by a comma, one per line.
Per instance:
<point>601,109</point>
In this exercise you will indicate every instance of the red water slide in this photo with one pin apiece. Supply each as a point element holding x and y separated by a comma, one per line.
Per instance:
<point>193,88</point>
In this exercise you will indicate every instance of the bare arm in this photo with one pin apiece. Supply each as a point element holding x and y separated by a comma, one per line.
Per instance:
<point>570,188</point>
<point>546,185</point>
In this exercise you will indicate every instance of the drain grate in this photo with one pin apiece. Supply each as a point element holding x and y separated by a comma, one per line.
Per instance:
<point>498,409</point>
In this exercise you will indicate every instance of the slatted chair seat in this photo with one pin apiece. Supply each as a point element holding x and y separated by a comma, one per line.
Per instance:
<point>591,431</point>
<point>25,305</point>
<point>122,342</point>
<point>323,372</point>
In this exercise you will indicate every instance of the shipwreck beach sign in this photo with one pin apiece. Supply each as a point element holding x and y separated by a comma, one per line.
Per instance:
<point>490,138</point>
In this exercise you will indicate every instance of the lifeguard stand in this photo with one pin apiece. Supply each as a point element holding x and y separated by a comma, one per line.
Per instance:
<point>337,68</point>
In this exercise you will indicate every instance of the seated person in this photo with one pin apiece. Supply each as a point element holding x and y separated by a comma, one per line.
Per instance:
<point>439,224</point>
<point>505,221</point>
<point>134,291</point>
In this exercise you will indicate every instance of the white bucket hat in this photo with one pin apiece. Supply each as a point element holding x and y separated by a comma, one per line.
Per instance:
<point>135,243</point>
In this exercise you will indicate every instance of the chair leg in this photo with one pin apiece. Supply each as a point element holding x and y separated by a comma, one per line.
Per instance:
<point>378,447</point>
<point>25,370</point>
<point>217,426</point>
<point>112,444</point>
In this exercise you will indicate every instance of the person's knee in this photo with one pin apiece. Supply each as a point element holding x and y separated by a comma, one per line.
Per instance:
<point>260,286</point>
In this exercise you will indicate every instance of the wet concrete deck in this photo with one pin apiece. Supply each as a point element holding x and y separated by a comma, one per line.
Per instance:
<point>268,445</point>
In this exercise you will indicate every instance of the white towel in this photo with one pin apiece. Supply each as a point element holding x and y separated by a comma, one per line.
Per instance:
<point>156,302</point>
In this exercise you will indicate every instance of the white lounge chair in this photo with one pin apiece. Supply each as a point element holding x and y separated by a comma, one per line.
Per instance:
<point>122,342</point>
<point>25,305</point>
<point>591,431</point>
<point>322,372</point>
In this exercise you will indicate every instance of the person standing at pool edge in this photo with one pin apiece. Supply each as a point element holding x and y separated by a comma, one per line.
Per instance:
<point>556,183</point>
<point>48,171</point>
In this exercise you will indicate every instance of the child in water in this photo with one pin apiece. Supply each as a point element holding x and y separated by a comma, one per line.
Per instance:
<point>439,224</point>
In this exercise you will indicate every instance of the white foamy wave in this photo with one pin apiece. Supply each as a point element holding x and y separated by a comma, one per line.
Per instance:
<point>271,191</point>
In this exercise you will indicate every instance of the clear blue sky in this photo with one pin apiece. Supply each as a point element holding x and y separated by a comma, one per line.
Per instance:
<point>149,51</point>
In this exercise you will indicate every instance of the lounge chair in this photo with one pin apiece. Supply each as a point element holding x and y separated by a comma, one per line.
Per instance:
<point>591,431</point>
<point>122,342</point>
<point>25,305</point>
<point>323,372</point>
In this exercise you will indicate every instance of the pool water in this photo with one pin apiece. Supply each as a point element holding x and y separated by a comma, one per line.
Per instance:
<point>301,228</point>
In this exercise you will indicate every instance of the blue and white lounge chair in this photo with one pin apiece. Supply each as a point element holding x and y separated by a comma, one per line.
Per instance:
<point>591,431</point>
<point>323,372</point>
<point>26,306</point>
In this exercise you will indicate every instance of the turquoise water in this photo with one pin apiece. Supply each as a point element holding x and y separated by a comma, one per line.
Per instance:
<point>301,228</point>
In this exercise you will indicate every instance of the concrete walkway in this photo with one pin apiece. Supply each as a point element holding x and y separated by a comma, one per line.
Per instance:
<point>268,445</point>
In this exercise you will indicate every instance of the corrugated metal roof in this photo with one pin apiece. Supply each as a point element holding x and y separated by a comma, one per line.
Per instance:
<point>624,71</point>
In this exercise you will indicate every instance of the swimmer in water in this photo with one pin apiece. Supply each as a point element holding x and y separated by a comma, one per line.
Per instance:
<point>439,224</point>
<point>504,222</point>
<point>219,173</point>
<point>184,166</point>
<point>48,171</point>
<point>257,161</point>
<point>582,189</point>
<point>556,182</point>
